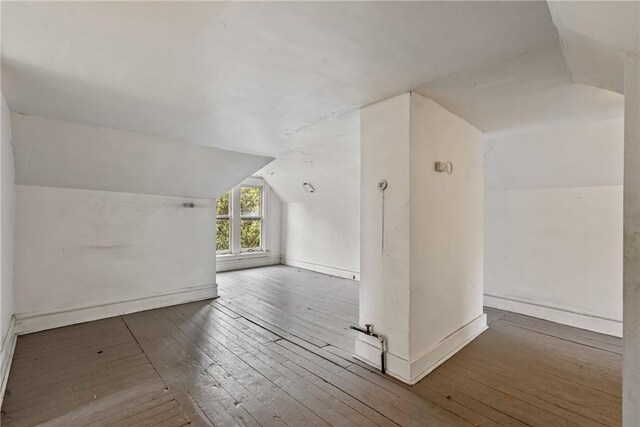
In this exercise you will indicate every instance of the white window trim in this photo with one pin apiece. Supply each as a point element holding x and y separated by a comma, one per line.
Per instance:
<point>229,216</point>
<point>235,252</point>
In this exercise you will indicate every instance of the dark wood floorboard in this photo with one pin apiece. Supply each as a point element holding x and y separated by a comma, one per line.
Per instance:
<point>276,350</point>
<point>88,374</point>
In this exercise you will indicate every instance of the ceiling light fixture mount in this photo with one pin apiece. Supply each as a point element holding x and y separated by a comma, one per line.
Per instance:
<point>308,188</point>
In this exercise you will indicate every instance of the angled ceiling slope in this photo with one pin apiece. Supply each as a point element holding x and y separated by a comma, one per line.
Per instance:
<point>286,79</point>
<point>521,93</point>
<point>243,76</point>
<point>61,154</point>
<point>595,35</point>
<point>282,79</point>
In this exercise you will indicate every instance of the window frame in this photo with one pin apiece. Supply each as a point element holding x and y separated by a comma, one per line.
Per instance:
<point>227,217</point>
<point>235,220</point>
<point>260,217</point>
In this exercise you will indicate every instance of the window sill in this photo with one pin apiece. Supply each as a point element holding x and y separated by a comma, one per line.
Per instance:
<point>243,255</point>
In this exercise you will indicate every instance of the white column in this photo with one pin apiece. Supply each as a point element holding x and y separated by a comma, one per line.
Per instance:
<point>421,238</point>
<point>384,269</point>
<point>631,295</point>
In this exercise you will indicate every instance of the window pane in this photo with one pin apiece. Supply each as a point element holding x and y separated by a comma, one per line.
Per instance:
<point>222,237</point>
<point>250,234</point>
<point>250,201</point>
<point>222,206</point>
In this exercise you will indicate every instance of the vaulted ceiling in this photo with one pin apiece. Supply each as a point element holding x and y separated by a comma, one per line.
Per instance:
<point>286,79</point>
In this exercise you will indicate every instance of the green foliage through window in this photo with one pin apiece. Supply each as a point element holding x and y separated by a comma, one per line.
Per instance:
<point>250,212</point>
<point>222,238</point>
<point>222,205</point>
<point>250,234</point>
<point>250,201</point>
<point>250,220</point>
<point>223,243</point>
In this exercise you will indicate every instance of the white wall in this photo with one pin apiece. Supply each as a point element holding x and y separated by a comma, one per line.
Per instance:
<point>385,276</point>
<point>421,245</point>
<point>321,230</point>
<point>7,218</point>
<point>84,254</point>
<point>553,224</point>
<point>323,236</point>
<point>101,228</point>
<point>446,225</point>
<point>273,223</point>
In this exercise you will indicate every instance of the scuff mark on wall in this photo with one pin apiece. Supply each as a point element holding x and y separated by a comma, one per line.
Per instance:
<point>111,246</point>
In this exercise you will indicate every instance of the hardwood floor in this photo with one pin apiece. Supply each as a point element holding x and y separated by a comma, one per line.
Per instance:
<point>93,373</point>
<point>275,349</point>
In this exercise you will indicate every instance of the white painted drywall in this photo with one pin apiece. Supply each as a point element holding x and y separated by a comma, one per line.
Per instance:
<point>573,155</point>
<point>321,230</point>
<point>385,275</point>
<point>54,153</point>
<point>7,221</point>
<point>78,251</point>
<point>421,245</point>
<point>446,225</point>
<point>553,224</point>
<point>323,236</point>
<point>83,252</point>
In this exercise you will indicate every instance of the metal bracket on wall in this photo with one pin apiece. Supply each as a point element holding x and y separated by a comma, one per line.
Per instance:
<point>444,167</point>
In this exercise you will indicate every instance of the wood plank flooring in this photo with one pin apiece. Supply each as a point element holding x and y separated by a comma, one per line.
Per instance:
<point>275,350</point>
<point>92,373</point>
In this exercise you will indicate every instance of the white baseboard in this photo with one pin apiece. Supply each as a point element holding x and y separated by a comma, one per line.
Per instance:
<point>39,321</point>
<point>6,355</point>
<point>556,314</point>
<point>248,262</point>
<point>439,353</point>
<point>412,371</point>
<point>321,268</point>
<point>368,351</point>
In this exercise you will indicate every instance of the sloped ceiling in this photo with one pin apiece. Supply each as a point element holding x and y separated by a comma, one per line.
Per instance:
<point>286,79</point>
<point>595,37</point>
<point>243,76</point>
<point>53,153</point>
<point>522,93</point>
